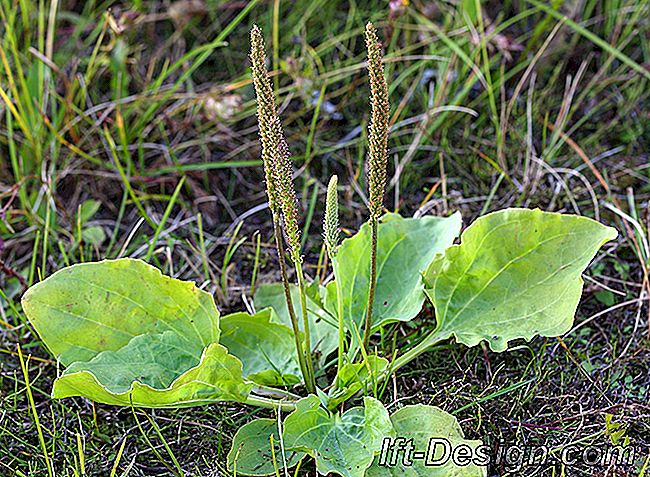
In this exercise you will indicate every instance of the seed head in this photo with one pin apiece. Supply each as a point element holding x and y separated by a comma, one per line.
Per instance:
<point>331,221</point>
<point>270,130</point>
<point>378,129</point>
<point>276,157</point>
<point>288,201</point>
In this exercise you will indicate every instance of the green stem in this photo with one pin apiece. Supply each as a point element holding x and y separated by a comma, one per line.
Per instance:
<point>270,403</point>
<point>339,312</point>
<point>422,347</point>
<point>275,392</point>
<point>401,361</point>
<point>311,382</point>
<point>374,224</point>
<point>279,244</point>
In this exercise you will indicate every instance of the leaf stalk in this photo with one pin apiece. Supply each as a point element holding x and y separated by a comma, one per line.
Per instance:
<point>269,403</point>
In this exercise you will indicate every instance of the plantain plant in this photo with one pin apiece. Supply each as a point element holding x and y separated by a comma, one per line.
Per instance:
<point>130,336</point>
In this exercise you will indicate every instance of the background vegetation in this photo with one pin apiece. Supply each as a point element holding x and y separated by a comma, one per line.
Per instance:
<point>128,129</point>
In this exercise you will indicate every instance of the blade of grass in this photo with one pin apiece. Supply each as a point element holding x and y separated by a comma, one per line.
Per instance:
<point>163,220</point>
<point>126,181</point>
<point>310,214</point>
<point>256,263</point>
<point>170,453</point>
<point>493,395</point>
<point>118,458</point>
<point>204,255</point>
<point>32,406</point>
<point>230,252</point>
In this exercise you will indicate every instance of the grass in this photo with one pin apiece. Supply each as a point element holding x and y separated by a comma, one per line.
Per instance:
<point>131,132</point>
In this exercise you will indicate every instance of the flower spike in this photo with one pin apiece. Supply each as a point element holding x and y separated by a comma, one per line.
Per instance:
<point>378,129</point>
<point>270,130</point>
<point>331,230</point>
<point>377,159</point>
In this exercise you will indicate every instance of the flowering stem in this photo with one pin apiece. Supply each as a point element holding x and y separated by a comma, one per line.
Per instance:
<point>279,244</point>
<point>339,312</point>
<point>276,393</point>
<point>281,193</point>
<point>310,380</point>
<point>374,224</point>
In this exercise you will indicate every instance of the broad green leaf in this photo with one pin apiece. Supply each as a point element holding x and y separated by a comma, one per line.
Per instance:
<point>516,274</point>
<point>253,454</point>
<point>156,370</point>
<point>405,248</point>
<point>154,359</point>
<point>316,292</point>
<point>343,444</point>
<point>267,350</point>
<point>322,326</point>
<point>132,336</point>
<point>88,308</point>
<point>353,377</point>
<point>421,424</point>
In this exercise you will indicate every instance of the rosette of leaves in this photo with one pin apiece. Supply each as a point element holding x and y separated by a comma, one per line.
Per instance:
<point>128,335</point>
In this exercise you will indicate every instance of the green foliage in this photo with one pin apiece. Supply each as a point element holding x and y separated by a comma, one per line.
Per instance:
<point>344,444</point>
<point>516,274</point>
<point>354,377</point>
<point>88,308</point>
<point>256,450</point>
<point>321,325</point>
<point>422,423</point>
<point>216,377</point>
<point>59,111</point>
<point>265,349</point>
<point>130,336</point>
<point>405,248</point>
